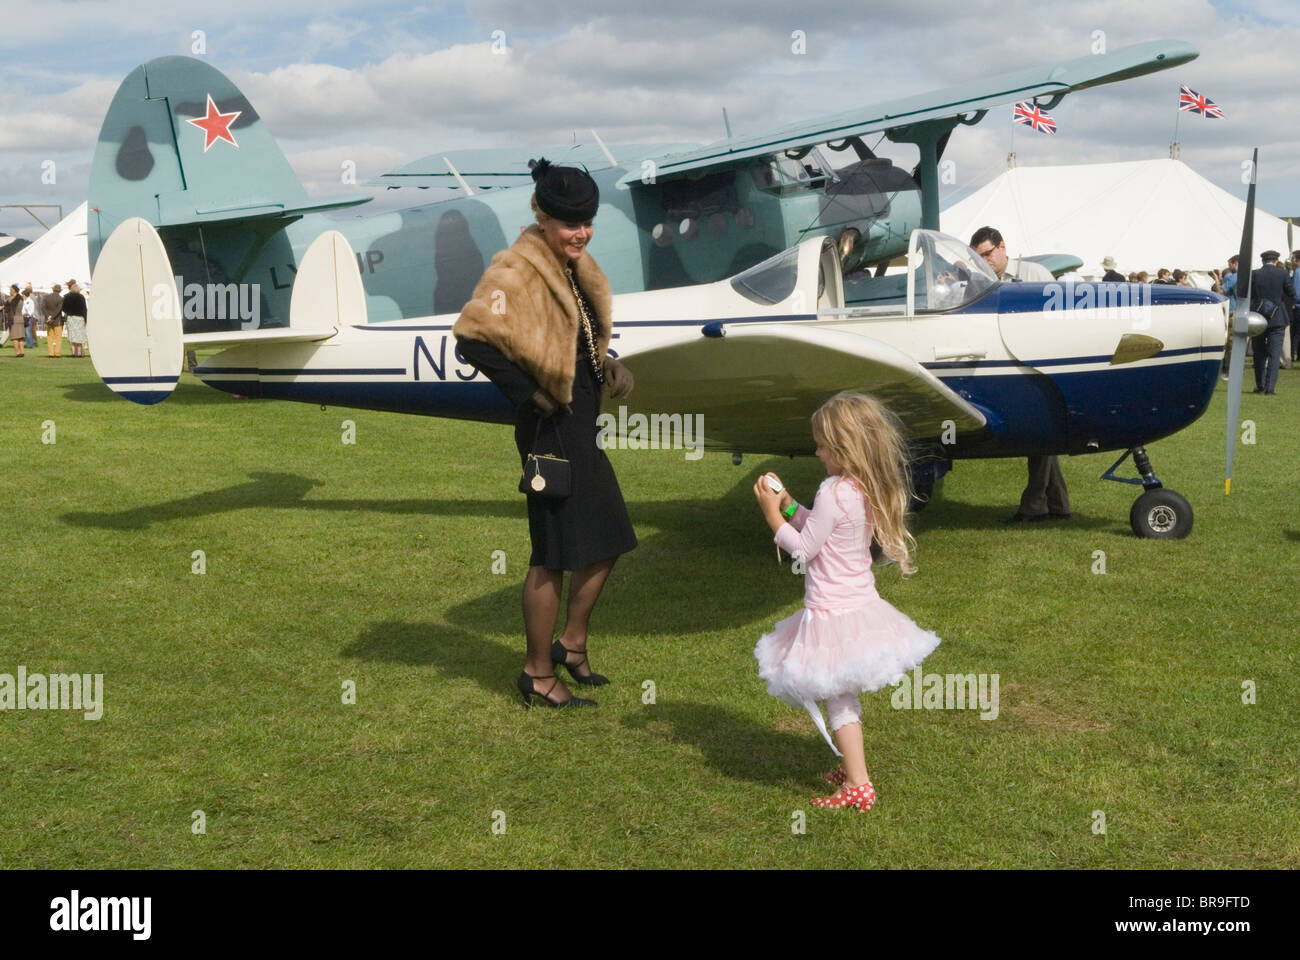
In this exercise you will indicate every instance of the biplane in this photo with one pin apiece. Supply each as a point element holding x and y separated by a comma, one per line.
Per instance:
<point>749,277</point>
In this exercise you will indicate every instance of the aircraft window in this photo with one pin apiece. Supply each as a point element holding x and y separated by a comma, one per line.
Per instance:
<point>781,174</point>
<point>949,273</point>
<point>770,281</point>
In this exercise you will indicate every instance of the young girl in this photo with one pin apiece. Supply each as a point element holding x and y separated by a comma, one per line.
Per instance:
<point>846,639</point>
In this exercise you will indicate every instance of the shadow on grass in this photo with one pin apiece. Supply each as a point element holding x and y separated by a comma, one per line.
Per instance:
<point>452,651</point>
<point>736,746</point>
<point>187,393</point>
<point>709,565</point>
<point>731,577</point>
<point>279,491</point>
<point>955,514</point>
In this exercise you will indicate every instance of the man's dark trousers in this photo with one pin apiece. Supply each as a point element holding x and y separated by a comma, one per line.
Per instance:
<point>1045,492</point>
<point>1268,357</point>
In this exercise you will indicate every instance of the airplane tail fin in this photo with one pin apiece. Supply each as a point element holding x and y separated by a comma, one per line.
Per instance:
<point>137,341</point>
<point>183,149</point>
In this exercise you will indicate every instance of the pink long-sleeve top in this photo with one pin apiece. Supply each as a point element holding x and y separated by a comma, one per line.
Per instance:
<point>833,540</point>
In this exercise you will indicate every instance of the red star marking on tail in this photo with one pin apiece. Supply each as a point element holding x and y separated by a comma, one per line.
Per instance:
<point>216,125</point>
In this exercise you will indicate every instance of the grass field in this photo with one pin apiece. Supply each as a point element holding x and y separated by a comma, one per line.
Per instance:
<point>1120,692</point>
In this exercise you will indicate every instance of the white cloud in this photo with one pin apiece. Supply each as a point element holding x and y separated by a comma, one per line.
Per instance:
<point>665,71</point>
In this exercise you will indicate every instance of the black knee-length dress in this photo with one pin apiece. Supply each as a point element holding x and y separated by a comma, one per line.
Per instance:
<point>591,524</point>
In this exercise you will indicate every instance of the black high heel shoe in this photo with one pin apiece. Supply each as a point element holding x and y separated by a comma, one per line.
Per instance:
<point>528,690</point>
<point>560,657</point>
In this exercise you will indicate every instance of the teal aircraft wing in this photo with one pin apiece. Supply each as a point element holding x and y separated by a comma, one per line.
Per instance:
<point>965,104</point>
<point>508,166</point>
<point>1057,263</point>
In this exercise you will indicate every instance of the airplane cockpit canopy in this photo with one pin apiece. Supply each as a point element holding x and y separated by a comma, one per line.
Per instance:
<point>807,274</point>
<point>944,273</point>
<point>770,281</point>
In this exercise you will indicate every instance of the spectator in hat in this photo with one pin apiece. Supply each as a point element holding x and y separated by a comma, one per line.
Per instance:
<point>1111,275</point>
<point>538,326</point>
<point>74,311</point>
<point>52,303</point>
<point>1273,296</point>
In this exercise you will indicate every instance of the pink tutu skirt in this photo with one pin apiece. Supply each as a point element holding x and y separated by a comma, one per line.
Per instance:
<point>818,654</point>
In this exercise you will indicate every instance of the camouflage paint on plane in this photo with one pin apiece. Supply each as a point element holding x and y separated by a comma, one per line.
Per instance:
<point>237,214</point>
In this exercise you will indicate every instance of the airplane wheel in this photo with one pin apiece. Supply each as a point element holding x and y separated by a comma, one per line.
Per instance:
<point>1161,515</point>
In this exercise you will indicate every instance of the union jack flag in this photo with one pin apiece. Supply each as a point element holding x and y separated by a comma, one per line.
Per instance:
<point>1189,99</point>
<point>1034,116</point>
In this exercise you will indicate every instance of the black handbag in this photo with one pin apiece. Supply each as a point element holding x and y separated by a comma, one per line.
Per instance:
<point>544,473</point>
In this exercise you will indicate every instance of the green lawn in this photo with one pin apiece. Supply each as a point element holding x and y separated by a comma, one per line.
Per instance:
<point>372,563</point>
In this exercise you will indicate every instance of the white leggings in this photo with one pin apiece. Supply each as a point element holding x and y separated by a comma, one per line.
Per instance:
<point>842,709</point>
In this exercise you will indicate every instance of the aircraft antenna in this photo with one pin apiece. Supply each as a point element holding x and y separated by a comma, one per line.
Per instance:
<point>459,179</point>
<point>604,149</point>
<point>726,123</point>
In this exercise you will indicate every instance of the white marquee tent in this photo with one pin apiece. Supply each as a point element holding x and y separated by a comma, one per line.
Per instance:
<point>1146,214</point>
<point>56,257</point>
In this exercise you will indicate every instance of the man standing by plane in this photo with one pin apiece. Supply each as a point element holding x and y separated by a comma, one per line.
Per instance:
<point>1271,294</point>
<point>1045,495</point>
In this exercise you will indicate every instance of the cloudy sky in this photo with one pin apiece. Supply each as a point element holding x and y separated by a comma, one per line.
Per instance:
<point>383,83</point>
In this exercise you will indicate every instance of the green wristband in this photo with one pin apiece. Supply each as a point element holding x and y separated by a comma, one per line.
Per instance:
<point>791,510</point>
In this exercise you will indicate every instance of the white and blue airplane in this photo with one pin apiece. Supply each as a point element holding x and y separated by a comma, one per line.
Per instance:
<point>975,367</point>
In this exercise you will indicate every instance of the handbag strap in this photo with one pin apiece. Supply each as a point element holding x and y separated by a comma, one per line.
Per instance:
<point>538,432</point>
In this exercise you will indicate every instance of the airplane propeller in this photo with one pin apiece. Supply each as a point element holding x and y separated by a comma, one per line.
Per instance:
<point>1245,324</point>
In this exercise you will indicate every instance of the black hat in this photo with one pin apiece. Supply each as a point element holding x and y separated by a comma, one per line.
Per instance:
<point>1268,255</point>
<point>565,193</point>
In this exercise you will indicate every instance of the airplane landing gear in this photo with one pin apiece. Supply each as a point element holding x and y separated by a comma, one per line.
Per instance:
<point>1158,513</point>
<point>926,474</point>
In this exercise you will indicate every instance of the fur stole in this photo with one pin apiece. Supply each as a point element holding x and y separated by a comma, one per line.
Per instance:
<point>523,305</point>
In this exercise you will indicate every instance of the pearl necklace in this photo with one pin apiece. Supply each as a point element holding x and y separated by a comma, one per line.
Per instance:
<point>586,326</point>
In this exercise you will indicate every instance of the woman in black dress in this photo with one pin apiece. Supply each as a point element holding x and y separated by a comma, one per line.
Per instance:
<point>538,326</point>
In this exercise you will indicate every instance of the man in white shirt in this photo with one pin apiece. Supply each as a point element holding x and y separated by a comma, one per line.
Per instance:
<point>1045,496</point>
<point>988,243</point>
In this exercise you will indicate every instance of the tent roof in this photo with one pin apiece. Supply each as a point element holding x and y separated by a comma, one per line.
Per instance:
<point>55,257</point>
<point>1145,213</point>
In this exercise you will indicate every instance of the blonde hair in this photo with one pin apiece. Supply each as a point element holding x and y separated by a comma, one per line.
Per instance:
<point>537,211</point>
<point>866,438</point>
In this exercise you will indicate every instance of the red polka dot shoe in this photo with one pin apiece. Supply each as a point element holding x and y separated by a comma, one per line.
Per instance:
<point>863,797</point>
<point>836,776</point>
